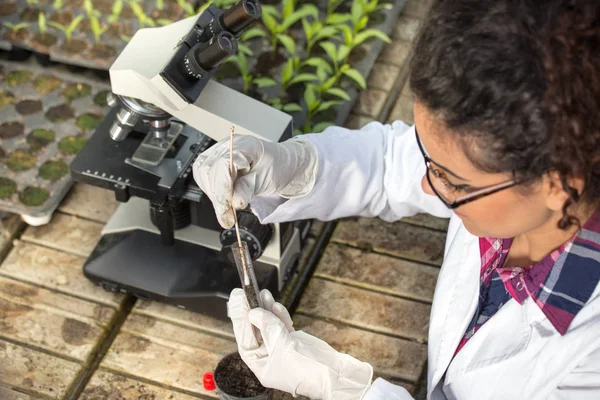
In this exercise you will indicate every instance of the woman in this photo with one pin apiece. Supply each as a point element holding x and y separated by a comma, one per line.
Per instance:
<point>507,122</point>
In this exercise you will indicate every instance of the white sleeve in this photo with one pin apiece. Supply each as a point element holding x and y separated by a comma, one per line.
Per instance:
<point>383,390</point>
<point>373,172</point>
<point>582,383</point>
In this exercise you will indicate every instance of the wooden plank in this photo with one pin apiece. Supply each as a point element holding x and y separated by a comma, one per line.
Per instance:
<point>54,270</point>
<point>9,394</point>
<point>396,239</point>
<point>428,221</point>
<point>406,28</point>
<point>56,322</point>
<point>66,233</point>
<point>10,224</point>
<point>367,310</point>
<point>389,356</point>
<point>34,372</point>
<point>105,385</point>
<point>89,202</point>
<point>378,272</point>
<point>165,353</point>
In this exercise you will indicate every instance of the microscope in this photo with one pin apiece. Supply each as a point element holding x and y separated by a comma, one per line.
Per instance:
<point>164,242</point>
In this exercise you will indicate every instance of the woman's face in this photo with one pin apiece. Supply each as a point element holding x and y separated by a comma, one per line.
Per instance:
<point>504,214</point>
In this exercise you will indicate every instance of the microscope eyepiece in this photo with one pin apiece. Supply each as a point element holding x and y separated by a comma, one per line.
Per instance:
<point>202,58</point>
<point>242,14</point>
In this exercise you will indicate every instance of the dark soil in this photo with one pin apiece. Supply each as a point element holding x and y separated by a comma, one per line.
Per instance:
<point>7,188</point>
<point>46,83</point>
<point>20,160</point>
<point>113,32</point>
<point>2,153</point>
<point>100,98</point>
<point>33,196</point>
<point>77,90</point>
<point>6,98</point>
<point>17,78</point>
<point>76,46</point>
<point>63,18</point>
<point>27,107</point>
<point>233,377</point>
<point>7,8</point>
<point>60,113</point>
<point>11,129</point>
<point>358,54</point>
<point>103,51</point>
<point>127,12</point>
<point>88,121</point>
<point>18,36</point>
<point>71,144</point>
<point>30,14</point>
<point>267,61</point>
<point>47,41</point>
<point>40,138</point>
<point>170,11</point>
<point>104,6</point>
<point>53,170</point>
<point>84,26</point>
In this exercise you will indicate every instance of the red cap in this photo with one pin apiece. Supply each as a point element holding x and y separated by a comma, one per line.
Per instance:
<point>209,381</point>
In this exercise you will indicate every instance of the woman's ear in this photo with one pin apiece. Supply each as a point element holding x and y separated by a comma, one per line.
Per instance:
<point>556,193</point>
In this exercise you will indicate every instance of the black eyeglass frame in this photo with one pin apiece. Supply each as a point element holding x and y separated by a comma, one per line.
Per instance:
<point>476,195</point>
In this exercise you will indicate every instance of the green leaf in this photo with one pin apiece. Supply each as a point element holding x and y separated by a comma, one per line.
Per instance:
<point>330,49</point>
<point>321,74</point>
<point>242,63</point>
<point>356,76</point>
<point>361,24</point>
<point>326,32</point>
<point>303,12</point>
<point>297,132</point>
<point>252,33</point>
<point>117,7</point>
<point>341,93</point>
<point>288,43</point>
<point>56,25</point>
<point>356,11</point>
<point>245,49</point>
<point>348,35</point>
<point>163,21</point>
<point>269,21</point>
<point>288,8</point>
<point>326,105</point>
<point>318,62</point>
<point>343,52</point>
<point>370,33</point>
<point>304,78</point>
<point>264,82</point>
<point>270,10</point>
<point>74,23</point>
<point>308,29</point>
<point>287,72</point>
<point>329,83</point>
<point>292,107</point>
<point>321,126</point>
<point>336,19</point>
<point>137,10</point>
<point>309,96</point>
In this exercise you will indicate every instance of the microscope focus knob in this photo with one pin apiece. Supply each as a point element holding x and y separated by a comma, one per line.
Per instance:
<point>252,232</point>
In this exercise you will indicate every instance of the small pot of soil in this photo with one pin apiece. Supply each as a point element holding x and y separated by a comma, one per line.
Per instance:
<point>63,18</point>
<point>53,170</point>
<point>75,46</point>
<point>7,8</point>
<point>71,145</point>
<point>269,60</point>
<point>11,129</point>
<point>88,121</point>
<point>40,138</point>
<point>6,98</point>
<point>43,43</point>
<point>19,36</point>
<point>103,51</point>
<point>30,14</point>
<point>46,83</point>
<point>17,78</point>
<point>59,113</point>
<point>113,31</point>
<point>77,90</point>
<point>236,381</point>
<point>27,107</point>
<point>33,196</point>
<point>104,6</point>
<point>20,160</point>
<point>170,11</point>
<point>7,188</point>
<point>99,98</point>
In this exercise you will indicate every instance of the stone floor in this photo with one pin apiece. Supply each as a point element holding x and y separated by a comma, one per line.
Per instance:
<point>63,338</point>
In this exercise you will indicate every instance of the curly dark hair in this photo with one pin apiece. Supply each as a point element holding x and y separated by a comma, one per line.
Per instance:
<point>519,82</point>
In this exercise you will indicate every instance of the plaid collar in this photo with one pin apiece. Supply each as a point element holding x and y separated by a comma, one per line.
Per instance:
<point>561,283</point>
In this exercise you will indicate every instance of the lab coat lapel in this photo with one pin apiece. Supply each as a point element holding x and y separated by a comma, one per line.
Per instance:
<point>456,298</point>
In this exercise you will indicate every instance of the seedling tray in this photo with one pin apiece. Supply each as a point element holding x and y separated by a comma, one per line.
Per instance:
<point>46,117</point>
<point>83,49</point>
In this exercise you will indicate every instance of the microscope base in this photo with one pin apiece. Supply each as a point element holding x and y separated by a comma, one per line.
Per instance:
<point>185,275</point>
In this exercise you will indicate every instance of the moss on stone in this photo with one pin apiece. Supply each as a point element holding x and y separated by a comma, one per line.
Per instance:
<point>7,188</point>
<point>20,160</point>
<point>34,196</point>
<point>53,170</point>
<point>71,144</point>
<point>6,98</point>
<point>100,98</point>
<point>77,90</point>
<point>17,78</point>
<point>46,83</point>
<point>39,138</point>
<point>88,121</point>
<point>59,113</point>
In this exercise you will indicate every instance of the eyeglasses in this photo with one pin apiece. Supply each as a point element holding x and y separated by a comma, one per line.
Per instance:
<point>450,194</point>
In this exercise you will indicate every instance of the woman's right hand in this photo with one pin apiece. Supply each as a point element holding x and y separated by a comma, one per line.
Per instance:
<point>287,169</point>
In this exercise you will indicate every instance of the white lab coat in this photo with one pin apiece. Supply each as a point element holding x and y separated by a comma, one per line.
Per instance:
<point>517,354</point>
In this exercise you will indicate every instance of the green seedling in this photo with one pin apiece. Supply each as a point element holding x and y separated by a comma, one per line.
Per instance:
<point>353,38</point>
<point>97,30</point>
<point>42,25</point>
<point>88,6</point>
<point>332,5</point>
<point>369,7</point>
<point>287,107</point>
<point>249,80</point>
<point>338,54</point>
<point>125,38</point>
<point>141,15</point>
<point>15,28</point>
<point>315,105</point>
<point>67,30</point>
<point>218,3</point>
<point>58,4</point>
<point>289,77</point>
<point>116,10</point>
<point>315,32</point>
<point>277,24</point>
<point>187,7</point>
<point>160,4</point>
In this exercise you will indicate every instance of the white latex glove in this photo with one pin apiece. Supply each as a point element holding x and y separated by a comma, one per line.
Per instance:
<point>294,361</point>
<point>288,169</point>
